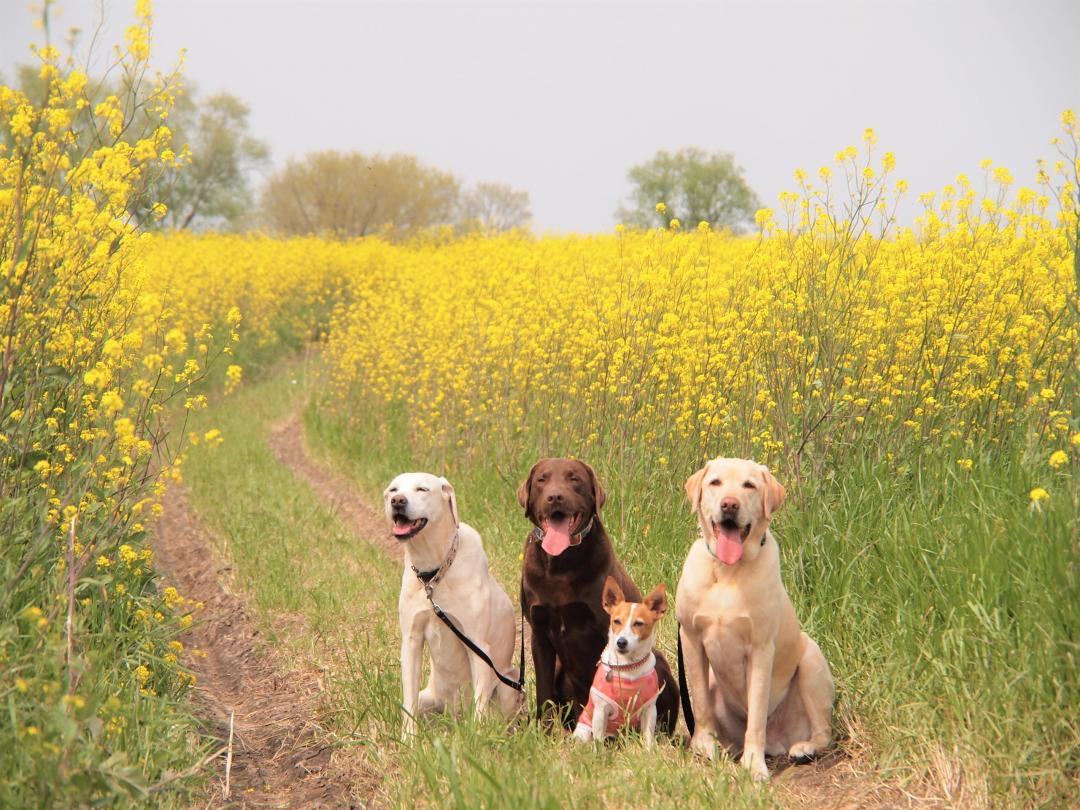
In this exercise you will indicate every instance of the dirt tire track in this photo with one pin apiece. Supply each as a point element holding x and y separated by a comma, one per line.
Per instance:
<point>289,447</point>
<point>282,757</point>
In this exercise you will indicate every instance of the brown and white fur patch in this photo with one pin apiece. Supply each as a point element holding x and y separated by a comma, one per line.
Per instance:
<point>629,653</point>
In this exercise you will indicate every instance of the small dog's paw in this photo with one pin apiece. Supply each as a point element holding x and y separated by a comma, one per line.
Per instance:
<point>803,752</point>
<point>704,745</point>
<point>583,734</point>
<point>755,763</point>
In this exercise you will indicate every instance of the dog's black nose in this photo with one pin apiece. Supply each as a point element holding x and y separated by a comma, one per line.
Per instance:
<point>398,500</point>
<point>621,643</point>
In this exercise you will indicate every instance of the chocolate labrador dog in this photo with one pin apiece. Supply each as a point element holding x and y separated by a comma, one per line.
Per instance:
<point>568,557</point>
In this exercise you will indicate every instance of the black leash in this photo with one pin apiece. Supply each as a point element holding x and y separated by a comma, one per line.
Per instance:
<point>429,579</point>
<point>684,693</point>
<point>518,685</point>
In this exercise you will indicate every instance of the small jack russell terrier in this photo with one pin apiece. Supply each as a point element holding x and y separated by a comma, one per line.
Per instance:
<point>626,685</point>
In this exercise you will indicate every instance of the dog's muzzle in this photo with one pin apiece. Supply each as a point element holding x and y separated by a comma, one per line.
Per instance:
<point>403,527</point>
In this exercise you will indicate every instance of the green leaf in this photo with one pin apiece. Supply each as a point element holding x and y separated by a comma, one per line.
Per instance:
<point>58,372</point>
<point>32,457</point>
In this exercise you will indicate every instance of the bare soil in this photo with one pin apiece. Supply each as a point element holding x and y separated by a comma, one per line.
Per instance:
<point>281,756</point>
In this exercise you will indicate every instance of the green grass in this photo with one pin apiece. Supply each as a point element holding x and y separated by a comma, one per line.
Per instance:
<point>947,605</point>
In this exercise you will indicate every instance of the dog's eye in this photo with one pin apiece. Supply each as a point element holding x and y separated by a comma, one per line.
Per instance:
<point>541,478</point>
<point>392,489</point>
<point>422,489</point>
<point>715,482</point>
<point>639,623</point>
<point>573,478</point>
<point>617,622</point>
<point>749,485</point>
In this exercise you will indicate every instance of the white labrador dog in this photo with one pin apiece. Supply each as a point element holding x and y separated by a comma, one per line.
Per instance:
<point>758,684</point>
<point>421,511</point>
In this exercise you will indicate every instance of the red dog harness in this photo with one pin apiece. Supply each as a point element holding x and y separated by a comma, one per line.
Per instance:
<point>626,698</point>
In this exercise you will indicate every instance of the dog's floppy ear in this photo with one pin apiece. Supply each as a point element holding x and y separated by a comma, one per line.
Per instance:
<point>599,496</point>
<point>524,492</point>
<point>693,489</point>
<point>656,601</point>
<point>773,496</point>
<point>613,594</point>
<point>451,498</point>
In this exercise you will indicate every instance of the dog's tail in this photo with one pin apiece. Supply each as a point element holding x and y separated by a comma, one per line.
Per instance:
<point>684,692</point>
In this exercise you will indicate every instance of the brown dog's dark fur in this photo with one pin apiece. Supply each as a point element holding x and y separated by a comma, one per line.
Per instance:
<point>561,596</point>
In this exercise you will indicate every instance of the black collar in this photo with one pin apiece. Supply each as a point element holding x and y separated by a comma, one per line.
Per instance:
<point>429,579</point>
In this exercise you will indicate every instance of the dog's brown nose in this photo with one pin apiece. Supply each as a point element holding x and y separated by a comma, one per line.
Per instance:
<point>554,497</point>
<point>729,505</point>
<point>398,500</point>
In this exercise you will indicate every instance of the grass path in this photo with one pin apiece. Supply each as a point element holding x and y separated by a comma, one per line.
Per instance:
<point>307,550</point>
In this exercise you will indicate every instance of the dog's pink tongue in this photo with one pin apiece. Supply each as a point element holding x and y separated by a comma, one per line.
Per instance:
<point>556,537</point>
<point>401,528</point>
<point>728,544</point>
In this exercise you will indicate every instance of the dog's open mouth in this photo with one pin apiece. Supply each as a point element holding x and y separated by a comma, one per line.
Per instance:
<point>404,528</point>
<point>559,528</point>
<point>729,537</point>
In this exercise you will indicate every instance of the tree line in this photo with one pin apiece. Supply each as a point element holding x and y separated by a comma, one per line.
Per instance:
<point>352,194</point>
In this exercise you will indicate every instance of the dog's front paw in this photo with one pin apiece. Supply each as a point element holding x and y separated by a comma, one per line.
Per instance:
<point>803,751</point>
<point>583,733</point>
<point>703,744</point>
<point>754,761</point>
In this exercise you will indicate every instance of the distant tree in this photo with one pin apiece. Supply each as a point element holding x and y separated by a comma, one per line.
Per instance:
<point>351,194</point>
<point>495,207</point>
<point>695,186</point>
<point>213,189</point>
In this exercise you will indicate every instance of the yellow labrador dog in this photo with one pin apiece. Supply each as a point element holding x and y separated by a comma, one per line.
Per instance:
<point>757,683</point>
<point>446,556</point>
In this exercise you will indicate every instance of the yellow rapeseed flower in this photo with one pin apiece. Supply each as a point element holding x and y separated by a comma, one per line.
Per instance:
<point>111,402</point>
<point>1058,458</point>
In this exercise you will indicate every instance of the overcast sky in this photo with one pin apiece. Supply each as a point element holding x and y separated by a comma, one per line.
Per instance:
<point>561,99</point>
